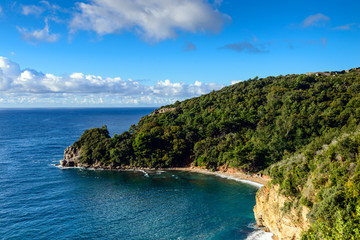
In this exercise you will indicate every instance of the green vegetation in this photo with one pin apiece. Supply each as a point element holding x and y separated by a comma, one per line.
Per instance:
<point>328,182</point>
<point>249,125</point>
<point>301,130</point>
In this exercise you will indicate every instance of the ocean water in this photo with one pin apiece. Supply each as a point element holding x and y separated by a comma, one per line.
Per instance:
<point>41,201</point>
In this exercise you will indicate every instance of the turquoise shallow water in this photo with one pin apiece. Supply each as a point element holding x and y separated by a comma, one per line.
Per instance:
<point>40,201</point>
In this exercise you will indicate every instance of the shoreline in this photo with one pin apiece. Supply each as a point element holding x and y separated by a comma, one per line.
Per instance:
<point>231,174</point>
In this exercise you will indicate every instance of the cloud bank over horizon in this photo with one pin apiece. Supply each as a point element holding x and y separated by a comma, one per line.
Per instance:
<point>19,86</point>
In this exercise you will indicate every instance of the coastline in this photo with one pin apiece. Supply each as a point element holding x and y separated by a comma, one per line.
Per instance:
<point>236,175</point>
<point>255,180</point>
<point>232,174</point>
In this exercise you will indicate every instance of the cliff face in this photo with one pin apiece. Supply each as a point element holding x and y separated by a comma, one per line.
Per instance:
<point>269,213</point>
<point>71,157</point>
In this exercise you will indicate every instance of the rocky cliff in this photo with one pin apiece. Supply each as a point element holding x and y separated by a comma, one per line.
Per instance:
<point>271,212</point>
<point>71,157</point>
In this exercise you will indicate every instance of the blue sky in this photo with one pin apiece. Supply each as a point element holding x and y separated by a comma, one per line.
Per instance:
<point>152,52</point>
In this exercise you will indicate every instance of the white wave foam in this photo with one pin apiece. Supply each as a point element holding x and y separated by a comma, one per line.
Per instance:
<point>258,185</point>
<point>145,173</point>
<point>61,167</point>
<point>253,226</point>
<point>54,165</point>
<point>260,235</point>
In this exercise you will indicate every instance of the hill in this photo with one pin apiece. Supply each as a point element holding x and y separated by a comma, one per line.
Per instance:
<point>302,130</point>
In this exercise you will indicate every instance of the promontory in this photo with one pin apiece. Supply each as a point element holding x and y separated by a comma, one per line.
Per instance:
<point>301,130</point>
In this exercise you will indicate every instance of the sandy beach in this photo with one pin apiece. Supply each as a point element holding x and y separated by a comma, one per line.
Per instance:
<point>229,173</point>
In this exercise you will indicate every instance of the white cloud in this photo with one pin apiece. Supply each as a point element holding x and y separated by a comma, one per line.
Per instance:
<point>31,10</point>
<point>154,20</point>
<point>82,100</point>
<point>345,27</point>
<point>235,82</point>
<point>1,11</point>
<point>40,35</point>
<point>167,88</point>
<point>9,71</point>
<point>43,7</point>
<point>30,85</point>
<point>52,7</point>
<point>315,20</point>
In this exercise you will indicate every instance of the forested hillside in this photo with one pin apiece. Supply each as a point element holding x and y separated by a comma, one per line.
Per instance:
<point>302,130</point>
<point>249,125</point>
<point>327,181</point>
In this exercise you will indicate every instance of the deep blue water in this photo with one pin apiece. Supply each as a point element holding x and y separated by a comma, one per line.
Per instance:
<point>40,201</point>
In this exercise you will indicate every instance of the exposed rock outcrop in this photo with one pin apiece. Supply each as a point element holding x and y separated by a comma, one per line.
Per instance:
<point>162,110</point>
<point>331,73</point>
<point>271,213</point>
<point>71,157</point>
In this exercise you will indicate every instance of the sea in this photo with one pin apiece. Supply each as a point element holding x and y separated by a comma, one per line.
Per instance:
<point>39,200</point>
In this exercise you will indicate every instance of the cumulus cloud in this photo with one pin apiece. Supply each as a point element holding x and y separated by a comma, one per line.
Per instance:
<point>315,20</point>
<point>29,84</point>
<point>9,71</point>
<point>40,35</point>
<point>246,46</point>
<point>154,20</point>
<point>167,88</point>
